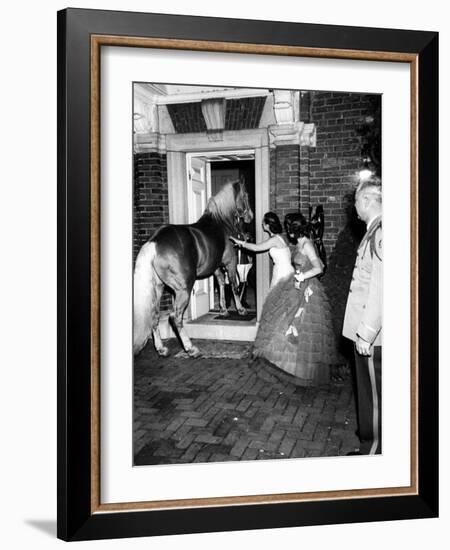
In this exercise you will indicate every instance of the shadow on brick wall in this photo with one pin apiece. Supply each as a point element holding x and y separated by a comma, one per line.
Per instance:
<point>340,269</point>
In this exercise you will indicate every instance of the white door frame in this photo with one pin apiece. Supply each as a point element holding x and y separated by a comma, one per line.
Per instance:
<point>208,156</point>
<point>204,286</point>
<point>256,141</point>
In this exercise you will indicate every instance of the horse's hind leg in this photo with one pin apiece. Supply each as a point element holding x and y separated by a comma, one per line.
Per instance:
<point>157,341</point>
<point>234,281</point>
<point>180,303</point>
<point>221,281</point>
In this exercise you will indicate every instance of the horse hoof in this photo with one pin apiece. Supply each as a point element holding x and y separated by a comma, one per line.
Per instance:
<point>242,311</point>
<point>163,352</point>
<point>224,313</point>
<point>193,352</point>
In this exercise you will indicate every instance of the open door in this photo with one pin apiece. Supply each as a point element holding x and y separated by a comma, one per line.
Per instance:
<point>199,191</point>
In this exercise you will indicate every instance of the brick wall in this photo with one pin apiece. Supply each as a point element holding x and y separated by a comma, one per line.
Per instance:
<point>285,179</point>
<point>187,117</point>
<point>305,106</point>
<point>151,204</point>
<point>273,179</point>
<point>336,160</point>
<point>243,113</point>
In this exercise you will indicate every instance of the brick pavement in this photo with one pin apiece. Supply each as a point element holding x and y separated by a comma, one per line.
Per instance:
<point>212,409</point>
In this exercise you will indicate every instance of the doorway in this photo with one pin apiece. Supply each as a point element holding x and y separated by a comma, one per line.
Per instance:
<point>235,146</point>
<point>207,173</point>
<point>223,171</point>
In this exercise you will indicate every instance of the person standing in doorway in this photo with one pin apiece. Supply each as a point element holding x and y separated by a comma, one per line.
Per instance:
<point>363,317</point>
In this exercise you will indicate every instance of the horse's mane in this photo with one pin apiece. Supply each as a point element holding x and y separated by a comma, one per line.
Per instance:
<point>222,207</point>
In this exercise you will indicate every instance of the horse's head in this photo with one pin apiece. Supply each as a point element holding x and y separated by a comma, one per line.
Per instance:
<point>243,208</point>
<point>230,207</point>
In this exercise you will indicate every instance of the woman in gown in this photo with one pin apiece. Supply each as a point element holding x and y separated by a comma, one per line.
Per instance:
<point>295,331</point>
<point>276,246</point>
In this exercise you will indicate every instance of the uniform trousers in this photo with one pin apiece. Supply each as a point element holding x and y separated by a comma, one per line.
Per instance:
<point>368,385</point>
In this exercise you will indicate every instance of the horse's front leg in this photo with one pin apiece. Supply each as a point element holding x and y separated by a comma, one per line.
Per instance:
<point>234,281</point>
<point>219,274</point>
<point>180,303</point>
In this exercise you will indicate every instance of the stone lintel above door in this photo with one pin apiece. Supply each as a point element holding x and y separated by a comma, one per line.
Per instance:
<point>293,133</point>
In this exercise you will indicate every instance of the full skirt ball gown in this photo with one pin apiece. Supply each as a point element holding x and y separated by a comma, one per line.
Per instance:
<point>296,330</point>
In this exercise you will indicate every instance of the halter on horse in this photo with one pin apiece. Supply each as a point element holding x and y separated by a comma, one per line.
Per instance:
<point>177,255</point>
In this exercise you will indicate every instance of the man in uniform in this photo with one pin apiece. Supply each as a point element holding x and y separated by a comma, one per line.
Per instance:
<point>362,321</point>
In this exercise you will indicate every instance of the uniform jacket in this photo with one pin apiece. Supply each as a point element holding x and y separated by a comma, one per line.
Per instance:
<point>365,299</point>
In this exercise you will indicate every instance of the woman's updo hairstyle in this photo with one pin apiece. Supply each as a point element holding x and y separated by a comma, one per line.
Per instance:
<point>273,221</point>
<point>288,219</point>
<point>299,227</point>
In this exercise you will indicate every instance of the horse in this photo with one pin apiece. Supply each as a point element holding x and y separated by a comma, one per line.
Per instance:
<point>177,255</point>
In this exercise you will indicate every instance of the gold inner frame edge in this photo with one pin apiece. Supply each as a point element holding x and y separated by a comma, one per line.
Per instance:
<point>97,41</point>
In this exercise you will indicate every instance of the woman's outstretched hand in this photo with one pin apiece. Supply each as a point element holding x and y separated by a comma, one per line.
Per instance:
<point>235,241</point>
<point>299,278</point>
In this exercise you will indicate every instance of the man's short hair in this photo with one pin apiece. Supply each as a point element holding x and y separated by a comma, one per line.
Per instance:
<point>371,188</point>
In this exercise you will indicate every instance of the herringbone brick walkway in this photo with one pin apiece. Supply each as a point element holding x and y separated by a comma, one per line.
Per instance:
<point>219,409</point>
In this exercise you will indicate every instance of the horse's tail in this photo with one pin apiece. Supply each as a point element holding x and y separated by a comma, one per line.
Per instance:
<point>144,296</point>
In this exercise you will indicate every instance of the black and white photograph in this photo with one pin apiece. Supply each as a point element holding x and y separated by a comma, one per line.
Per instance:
<point>257,273</point>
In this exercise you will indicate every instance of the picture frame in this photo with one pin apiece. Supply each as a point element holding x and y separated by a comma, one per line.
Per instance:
<point>81,35</point>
